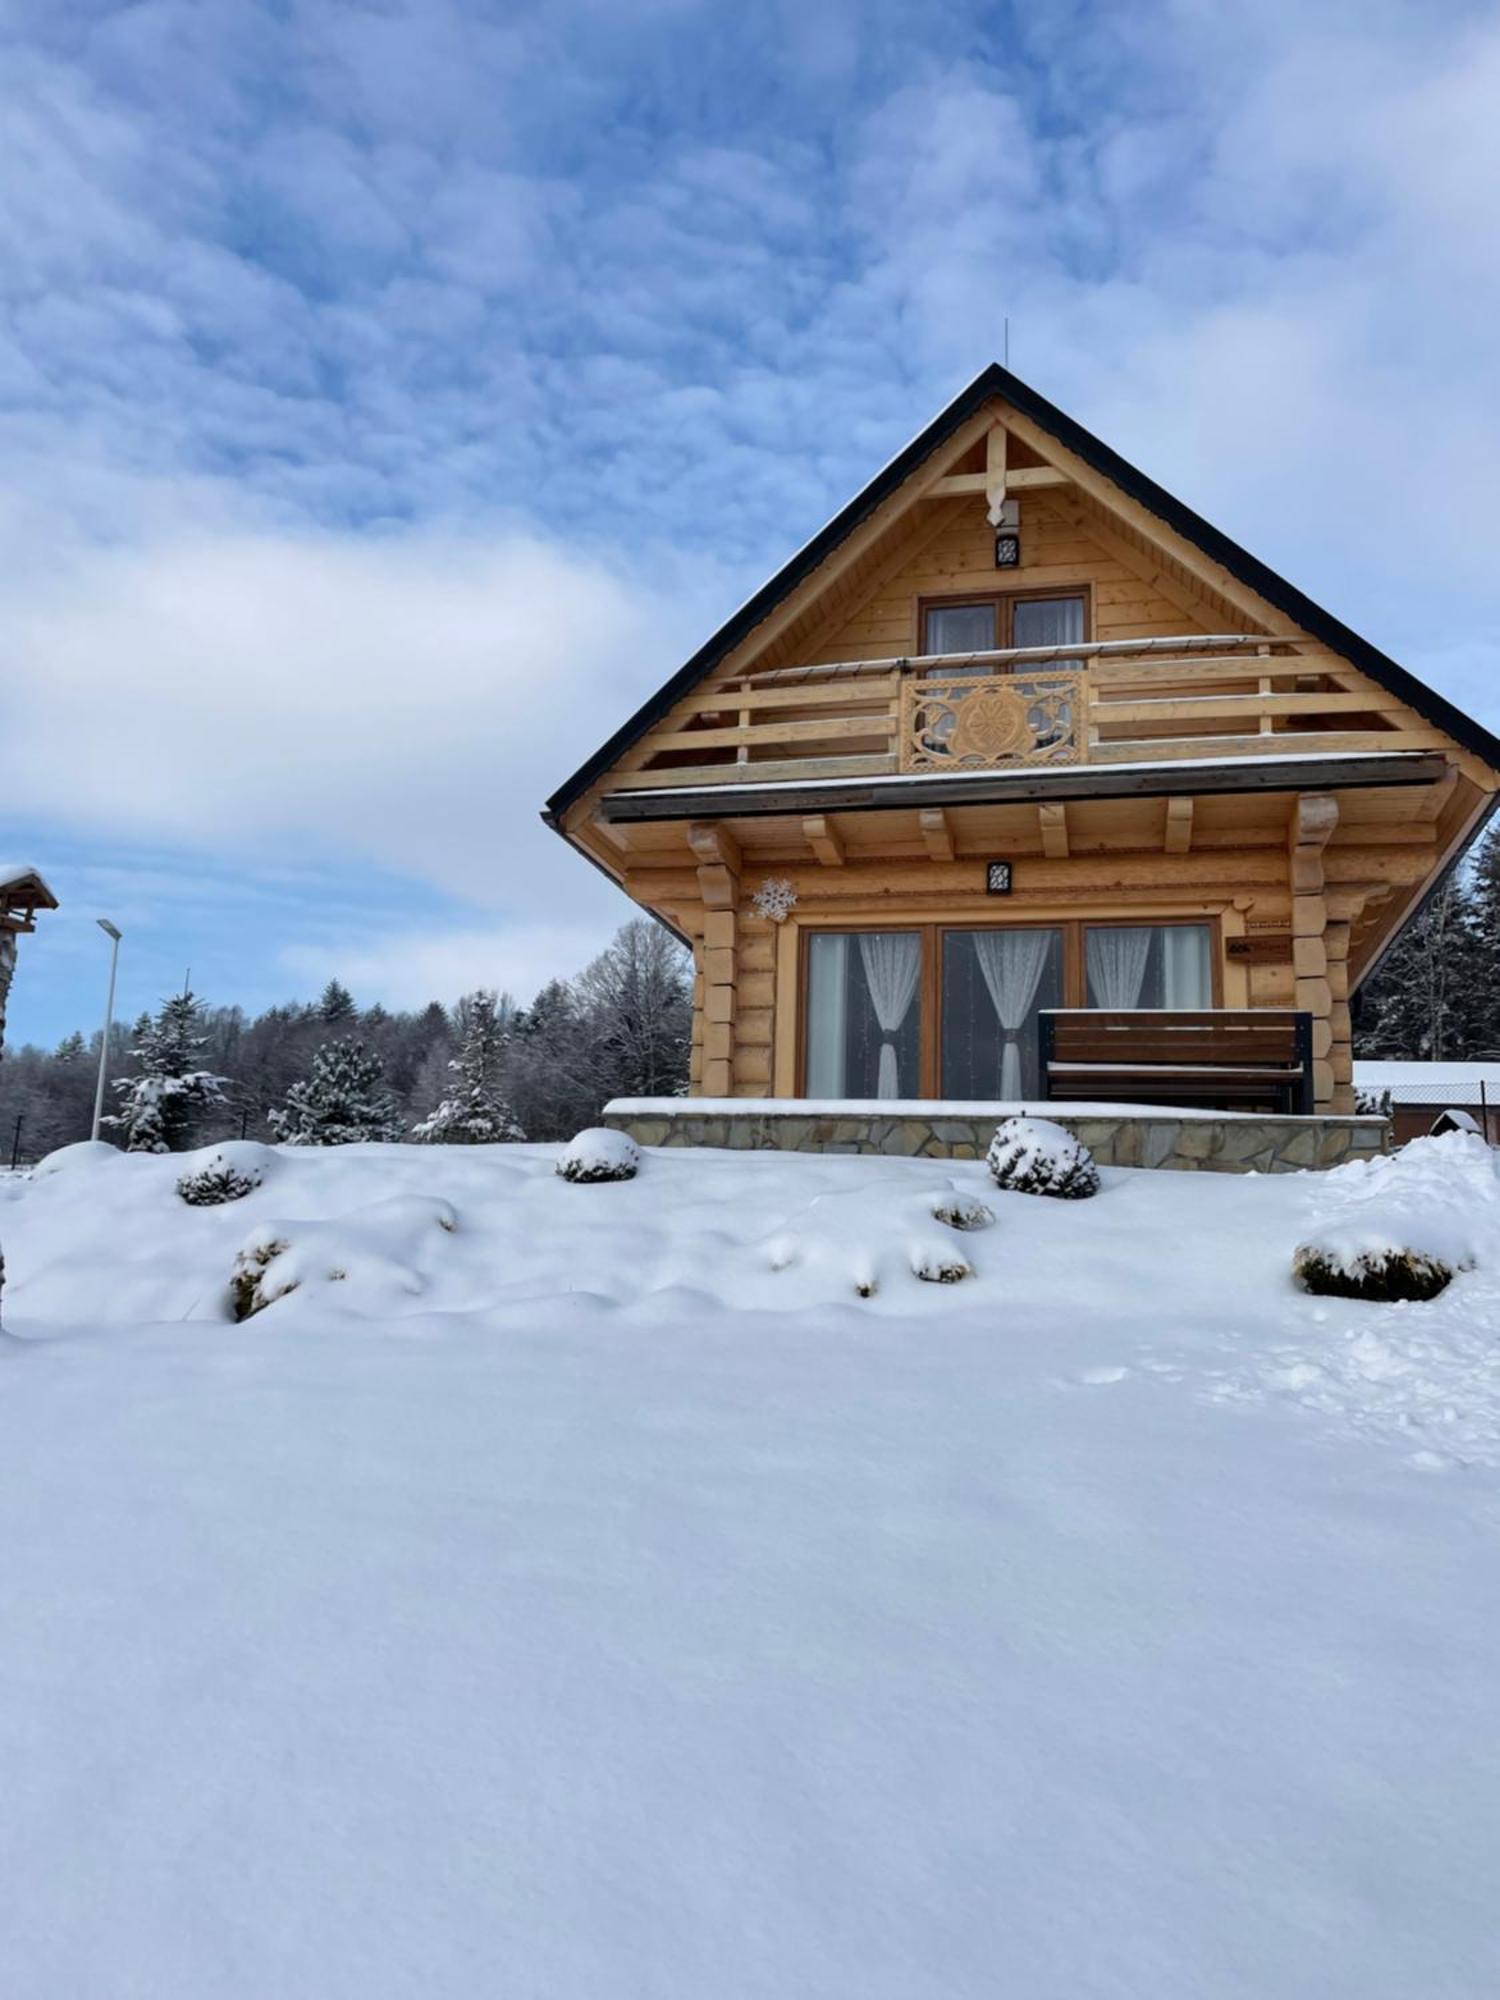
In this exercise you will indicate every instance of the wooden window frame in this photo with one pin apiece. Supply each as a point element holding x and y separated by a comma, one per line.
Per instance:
<point>1073,931</point>
<point>1003,602</point>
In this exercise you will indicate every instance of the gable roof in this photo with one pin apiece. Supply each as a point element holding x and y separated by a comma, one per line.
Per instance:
<point>21,883</point>
<point>997,381</point>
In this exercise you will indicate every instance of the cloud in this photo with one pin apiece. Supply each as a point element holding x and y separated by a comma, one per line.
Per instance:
<point>407,968</point>
<point>406,699</point>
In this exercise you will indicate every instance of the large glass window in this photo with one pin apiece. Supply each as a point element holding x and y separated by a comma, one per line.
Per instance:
<point>995,983</point>
<point>864,1014</point>
<point>1148,965</point>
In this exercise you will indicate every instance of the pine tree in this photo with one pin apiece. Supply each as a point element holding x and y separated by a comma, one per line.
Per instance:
<point>343,1100</point>
<point>161,1101</point>
<point>72,1048</point>
<point>337,1003</point>
<point>475,1113</point>
<point>1427,1000</point>
<point>1485,905</point>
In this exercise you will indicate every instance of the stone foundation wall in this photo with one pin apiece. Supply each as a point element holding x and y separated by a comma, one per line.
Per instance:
<point>1122,1139</point>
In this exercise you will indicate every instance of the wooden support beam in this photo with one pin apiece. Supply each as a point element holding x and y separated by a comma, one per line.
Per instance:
<point>714,844</point>
<point>937,833</point>
<point>1313,817</point>
<point>1177,832</point>
<point>825,840</point>
<point>1053,823</point>
<point>994,473</point>
<point>1018,479</point>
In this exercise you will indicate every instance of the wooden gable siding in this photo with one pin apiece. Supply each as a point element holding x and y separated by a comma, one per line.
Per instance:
<point>960,561</point>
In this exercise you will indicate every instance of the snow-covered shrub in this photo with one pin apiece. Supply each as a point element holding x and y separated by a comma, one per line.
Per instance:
<point>600,1155</point>
<point>1034,1156</point>
<point>248,1292</point>
<point>1403,1225</point>
<point>961,1211</point>
<point>1381,1275</point>
<point>82,1152</point>
<point>939,1263</point>
<point>218,1179</point>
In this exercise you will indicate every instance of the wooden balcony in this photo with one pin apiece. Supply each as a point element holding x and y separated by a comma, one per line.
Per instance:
<point>1204,696</point>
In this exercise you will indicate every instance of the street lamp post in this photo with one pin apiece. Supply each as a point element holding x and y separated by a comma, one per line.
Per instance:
<point>109,1020</point>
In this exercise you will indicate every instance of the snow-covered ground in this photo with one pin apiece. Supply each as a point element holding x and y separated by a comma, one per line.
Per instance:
<point>591,1593</point>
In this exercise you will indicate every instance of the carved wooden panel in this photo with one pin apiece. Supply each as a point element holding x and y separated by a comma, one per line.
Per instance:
<point>985,722</point>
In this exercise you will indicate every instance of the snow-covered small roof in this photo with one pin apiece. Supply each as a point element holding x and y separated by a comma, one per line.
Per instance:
<point>1431,1082</point>
<point>16,875</point>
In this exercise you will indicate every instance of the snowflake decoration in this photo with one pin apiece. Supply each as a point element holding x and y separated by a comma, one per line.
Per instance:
<point>776,899</point>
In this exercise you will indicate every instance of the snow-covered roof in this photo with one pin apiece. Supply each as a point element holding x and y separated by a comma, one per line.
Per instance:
<point>14,873</point>
<point>1431,1082</point>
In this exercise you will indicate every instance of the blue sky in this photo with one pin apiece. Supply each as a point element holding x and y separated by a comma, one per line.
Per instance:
<point>392,394</point>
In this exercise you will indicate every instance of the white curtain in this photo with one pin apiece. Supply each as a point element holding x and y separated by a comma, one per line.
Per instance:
<point>1117,965</point>
<point>1185,980</point>
<point>828,1017</point>
<point>1048,621</point>
<point>1012,963</point>
<point>893,965</point>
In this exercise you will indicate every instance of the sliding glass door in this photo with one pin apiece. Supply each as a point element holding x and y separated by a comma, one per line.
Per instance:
<point>1148,965</point>
<point>932,1011</point>
<point>995,984</point>
<point>863,1021</point>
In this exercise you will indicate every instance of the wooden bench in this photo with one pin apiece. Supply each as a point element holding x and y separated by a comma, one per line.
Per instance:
<point>1255,1059</point>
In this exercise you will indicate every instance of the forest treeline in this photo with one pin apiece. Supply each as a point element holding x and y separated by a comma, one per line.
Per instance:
<point>331,1069</point>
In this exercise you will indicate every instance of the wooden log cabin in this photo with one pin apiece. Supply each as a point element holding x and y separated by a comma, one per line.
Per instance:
<point>1019,732</point>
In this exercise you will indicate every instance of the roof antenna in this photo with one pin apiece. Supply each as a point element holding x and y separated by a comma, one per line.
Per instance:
<point>1006,340</point>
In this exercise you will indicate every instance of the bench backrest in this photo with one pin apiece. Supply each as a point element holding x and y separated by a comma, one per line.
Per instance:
<point>1142,1037</point>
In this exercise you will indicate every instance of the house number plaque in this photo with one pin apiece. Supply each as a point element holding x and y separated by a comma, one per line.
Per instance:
<point>997,878</point>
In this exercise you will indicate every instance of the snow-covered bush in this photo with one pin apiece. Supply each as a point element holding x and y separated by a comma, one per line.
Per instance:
<point>600,1155</point>
<point>939,1263</point>
<point>1381,1275</point>
<point>82,1152</point>
<point>961,1211</point>
<point>248,1291</point>
<point>1034,1156</point>
<point>1403,1225</point>
<point>216,1181</point>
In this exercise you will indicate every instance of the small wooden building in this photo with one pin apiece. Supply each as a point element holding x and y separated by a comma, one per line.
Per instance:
<point>1019,732</point>
<point>22,894</point>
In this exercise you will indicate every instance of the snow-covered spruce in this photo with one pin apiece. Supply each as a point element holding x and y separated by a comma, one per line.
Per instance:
<point>1034,1156</point>
<point>600,1155</point>
<point>225,1174</point>
<point>160,1102</point>
<point>343,1101</point>
<point>476,1112</point>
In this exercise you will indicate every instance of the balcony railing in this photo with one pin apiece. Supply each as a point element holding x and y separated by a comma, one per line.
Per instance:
<point>1098,703</point>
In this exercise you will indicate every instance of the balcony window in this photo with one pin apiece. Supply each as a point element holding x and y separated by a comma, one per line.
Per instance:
<point>991,624</point>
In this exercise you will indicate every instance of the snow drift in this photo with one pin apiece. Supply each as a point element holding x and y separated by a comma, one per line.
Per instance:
<point>663,1587</point>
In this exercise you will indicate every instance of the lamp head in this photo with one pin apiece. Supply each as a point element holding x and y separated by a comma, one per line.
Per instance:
<point>108,928</point>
